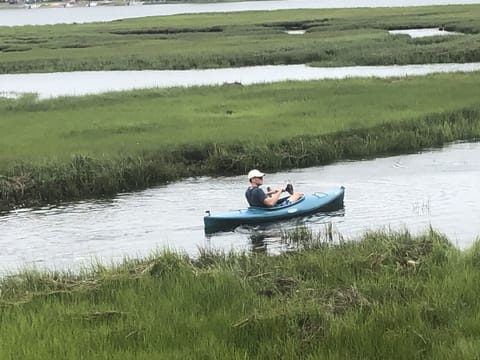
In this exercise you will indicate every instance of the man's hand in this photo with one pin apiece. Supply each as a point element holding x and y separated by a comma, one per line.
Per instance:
<point>275,191</point>
<point>271,201</point>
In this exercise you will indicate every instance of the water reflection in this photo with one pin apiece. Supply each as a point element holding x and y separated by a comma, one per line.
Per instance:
<point>272,239</point>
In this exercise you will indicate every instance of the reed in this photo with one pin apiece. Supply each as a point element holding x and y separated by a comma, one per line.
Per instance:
<point>71,148</point>
<point>74,148</point>
<point>86,177</point>
<point>386,295</point>
<point>334,37</point>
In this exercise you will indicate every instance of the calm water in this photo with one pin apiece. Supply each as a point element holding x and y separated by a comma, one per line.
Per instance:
<point>43,16</point>
<point>94,82</point>
<point>417,33</point>
<point>438,188</point>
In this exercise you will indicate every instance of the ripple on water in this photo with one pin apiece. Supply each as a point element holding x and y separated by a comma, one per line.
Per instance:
<point>437,188</point>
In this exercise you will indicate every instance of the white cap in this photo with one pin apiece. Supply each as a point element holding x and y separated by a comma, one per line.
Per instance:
<point>255,173</point>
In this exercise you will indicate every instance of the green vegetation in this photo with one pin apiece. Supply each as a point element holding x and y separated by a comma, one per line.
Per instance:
<point>70,148</point>
<point>143,121</point>
<point>334,37</point>
<point>387,296</point>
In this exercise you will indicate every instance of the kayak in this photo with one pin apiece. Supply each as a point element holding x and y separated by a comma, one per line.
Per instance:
<point>308,204</point>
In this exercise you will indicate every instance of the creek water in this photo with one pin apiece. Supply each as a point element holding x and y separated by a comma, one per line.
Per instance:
<point>437,188</point>
<point>416,33</point>
<point>94,82</point>
<point>44,16</point>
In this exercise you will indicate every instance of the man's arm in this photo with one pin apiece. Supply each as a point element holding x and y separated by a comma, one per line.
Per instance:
<point>272,201</point>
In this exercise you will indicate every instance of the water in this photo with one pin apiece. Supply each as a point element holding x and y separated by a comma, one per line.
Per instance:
<point>417,33</point>
<point>95,82</point>
<point>437,188</point>
<point>44,16</point>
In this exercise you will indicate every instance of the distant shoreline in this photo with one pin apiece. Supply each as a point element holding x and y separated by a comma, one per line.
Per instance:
<point>71,4</point>
<point>67,4</point>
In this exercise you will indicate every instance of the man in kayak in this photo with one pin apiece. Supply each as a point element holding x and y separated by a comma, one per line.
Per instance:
<point>258,198</point>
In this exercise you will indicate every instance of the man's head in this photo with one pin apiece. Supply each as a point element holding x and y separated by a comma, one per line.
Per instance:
<point>255,176</point>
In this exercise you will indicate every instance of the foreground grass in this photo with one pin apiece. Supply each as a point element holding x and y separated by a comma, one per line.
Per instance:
<point>387,296</point>
<point>71,148</point>
<point>334,37</point>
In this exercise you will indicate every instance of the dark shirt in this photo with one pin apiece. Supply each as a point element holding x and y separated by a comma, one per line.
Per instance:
<point>255,197</point>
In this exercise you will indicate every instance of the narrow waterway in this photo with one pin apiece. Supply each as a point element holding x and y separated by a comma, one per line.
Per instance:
<point>437,188</point>
<point>94,82</point>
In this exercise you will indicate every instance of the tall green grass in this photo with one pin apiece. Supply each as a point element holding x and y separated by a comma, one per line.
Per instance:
<point>72,148</point>
<point>138,122</point>
<point>387,296</point>
<point>334,37</point>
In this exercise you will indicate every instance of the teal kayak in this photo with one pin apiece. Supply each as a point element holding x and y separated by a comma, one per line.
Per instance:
<point>308,204</point>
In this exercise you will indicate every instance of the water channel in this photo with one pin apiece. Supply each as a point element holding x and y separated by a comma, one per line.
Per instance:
<point>44,16</point>
<point>437,187</point>
<point>95,82</point>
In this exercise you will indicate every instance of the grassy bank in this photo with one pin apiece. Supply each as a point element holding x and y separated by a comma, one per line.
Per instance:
<point>72,148</point>
<point>387,296</point>
<point>334,37</point>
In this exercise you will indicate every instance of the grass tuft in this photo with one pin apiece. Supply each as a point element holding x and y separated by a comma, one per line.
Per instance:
<point>415,293</point>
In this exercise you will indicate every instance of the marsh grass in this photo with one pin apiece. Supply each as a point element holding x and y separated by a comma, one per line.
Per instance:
<point>71,148</point>
<point>334,37</point>
<point>388,295</point>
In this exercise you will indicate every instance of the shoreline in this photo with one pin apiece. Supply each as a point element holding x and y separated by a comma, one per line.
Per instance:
<point>86,177</point>
<point>65,4</point>
<point>197,7</point>
<point>86,3</point>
